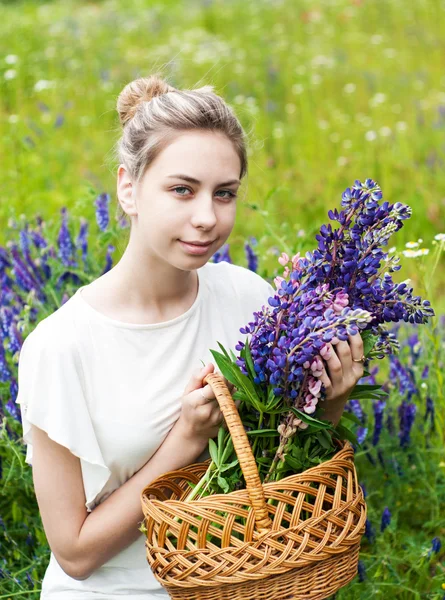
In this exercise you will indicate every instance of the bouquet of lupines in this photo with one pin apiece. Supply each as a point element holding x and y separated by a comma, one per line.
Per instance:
<point>341,288</point>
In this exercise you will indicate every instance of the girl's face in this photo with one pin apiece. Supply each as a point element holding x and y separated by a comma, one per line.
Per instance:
<point>188,194</point>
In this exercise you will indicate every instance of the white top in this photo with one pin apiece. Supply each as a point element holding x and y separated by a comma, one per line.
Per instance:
<point>110,392</point>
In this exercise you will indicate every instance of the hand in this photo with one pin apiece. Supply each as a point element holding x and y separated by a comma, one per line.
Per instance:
<point>201,417</point>
<point>342,376</point>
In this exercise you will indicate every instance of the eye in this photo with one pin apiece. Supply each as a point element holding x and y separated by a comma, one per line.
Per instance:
<point>229,197</point>
<point>231,194</point>
<point>181,187</point>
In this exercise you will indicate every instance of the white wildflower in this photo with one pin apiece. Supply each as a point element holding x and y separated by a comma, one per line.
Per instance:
<point>349,88</point>
<point>43,84</point>
<point>370,135</point>
<point>11,59</point>
<point>10,74</point>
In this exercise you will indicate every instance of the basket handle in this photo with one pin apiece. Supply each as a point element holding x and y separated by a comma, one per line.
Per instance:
<point>243,451</point>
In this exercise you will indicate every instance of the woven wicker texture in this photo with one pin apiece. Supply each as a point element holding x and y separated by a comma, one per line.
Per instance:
<point>295,538</point>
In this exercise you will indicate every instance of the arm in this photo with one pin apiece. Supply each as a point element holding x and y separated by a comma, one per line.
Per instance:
<point>82,541</point>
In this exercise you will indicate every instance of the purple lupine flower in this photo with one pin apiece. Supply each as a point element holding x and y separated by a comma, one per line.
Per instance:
<point>361,570</point>
<point>407,413</point>
<point>386,519</point>
<point>390,424</point>
<point>252,258</point>
<point>60,119</point>
<point>311,305</point>
<point>402,377</point>
<point>356,409</point>
<point>66,246</point>
<point>381,457</point>
<point>5,371</point>
<point>81,241</point>
<point>436,545</point>
<point>361,434</point>
<point>222,255</point>
<point>108,259</point>
<point>414,347</point>
<point>378,407</point>
<point>429,410</point>
<point>369,531</point>
<point>102,212</point>
<point>425,372</point>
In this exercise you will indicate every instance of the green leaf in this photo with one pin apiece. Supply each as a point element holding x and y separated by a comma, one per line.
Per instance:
<point>213,449</point>
<point>229,466</point>
<point>263,432</point>
<point>247,355</point>
<point>293,463</point>
<point>351,417</point>
<point>223,484</point>
<point>316,423</point>
<point>324,439</point>
<point>234,374</point>
<point>369,340</point>
<point>346,434</point>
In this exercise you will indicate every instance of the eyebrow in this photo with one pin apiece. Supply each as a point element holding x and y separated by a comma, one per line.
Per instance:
<point>193,180</point>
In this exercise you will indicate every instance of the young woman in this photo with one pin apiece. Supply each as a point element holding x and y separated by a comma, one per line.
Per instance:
<point>111,384</point>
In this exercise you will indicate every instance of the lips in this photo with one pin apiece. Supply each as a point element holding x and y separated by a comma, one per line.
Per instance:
<point>198,243</point>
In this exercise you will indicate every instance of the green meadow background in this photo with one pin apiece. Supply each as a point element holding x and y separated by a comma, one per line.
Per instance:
<point>329,91</point>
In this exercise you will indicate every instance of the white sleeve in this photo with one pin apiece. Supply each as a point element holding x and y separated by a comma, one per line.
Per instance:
<point>51,396</point>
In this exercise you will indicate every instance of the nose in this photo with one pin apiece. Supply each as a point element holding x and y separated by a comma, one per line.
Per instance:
<point>203,212</point>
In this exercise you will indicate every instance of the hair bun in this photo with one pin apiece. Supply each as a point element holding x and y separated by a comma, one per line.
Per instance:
<point>137,91</point>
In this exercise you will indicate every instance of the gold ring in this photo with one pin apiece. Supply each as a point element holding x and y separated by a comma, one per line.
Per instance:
<point>362,359</point>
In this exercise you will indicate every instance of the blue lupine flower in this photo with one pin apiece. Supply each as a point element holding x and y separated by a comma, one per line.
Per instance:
<point>288,335</point>
<point>81,241</point>
<point>60,119</point>
<point>402,377</point>
<point>429,410</point>
<point>361,434</point>
<point>65,243</point>
<point>108,259</point>
<point>252,258</point>
<point>102,211</point>
<point>407,413</point>
<point>436,545</point>
<point>378,407</point>
<point>425,372</point>
<point>386,519</point>
<point>222,255</point>
<point>369,531</point>
<point>361,570</point>
<point>390,424</point>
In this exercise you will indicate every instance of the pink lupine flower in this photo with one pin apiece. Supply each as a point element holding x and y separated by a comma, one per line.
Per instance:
<point>296,262</point>
<point>325,353</point>
<point>277,281</point>
<point>315,387</point>
<point>283,259</point>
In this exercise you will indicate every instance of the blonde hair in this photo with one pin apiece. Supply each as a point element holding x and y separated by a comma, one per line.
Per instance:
<point>152,112</point>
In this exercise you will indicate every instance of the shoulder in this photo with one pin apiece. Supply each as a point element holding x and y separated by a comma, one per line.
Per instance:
<point>53,336</point>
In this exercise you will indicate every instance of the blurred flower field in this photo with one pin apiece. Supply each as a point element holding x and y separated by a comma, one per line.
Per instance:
<point>328,91</point>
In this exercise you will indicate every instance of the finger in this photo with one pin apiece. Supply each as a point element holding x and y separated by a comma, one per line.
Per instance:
<point>196,380</point>
<point>333,367</point>
<point>325,381</point>
<point>356,344</point>
<point>205,395</point>
<point>343,351</point>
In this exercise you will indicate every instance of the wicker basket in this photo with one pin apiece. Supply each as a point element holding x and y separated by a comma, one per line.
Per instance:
<point>265,548</point>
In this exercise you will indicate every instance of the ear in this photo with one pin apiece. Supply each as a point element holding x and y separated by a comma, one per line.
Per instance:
<point>126,192</point>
